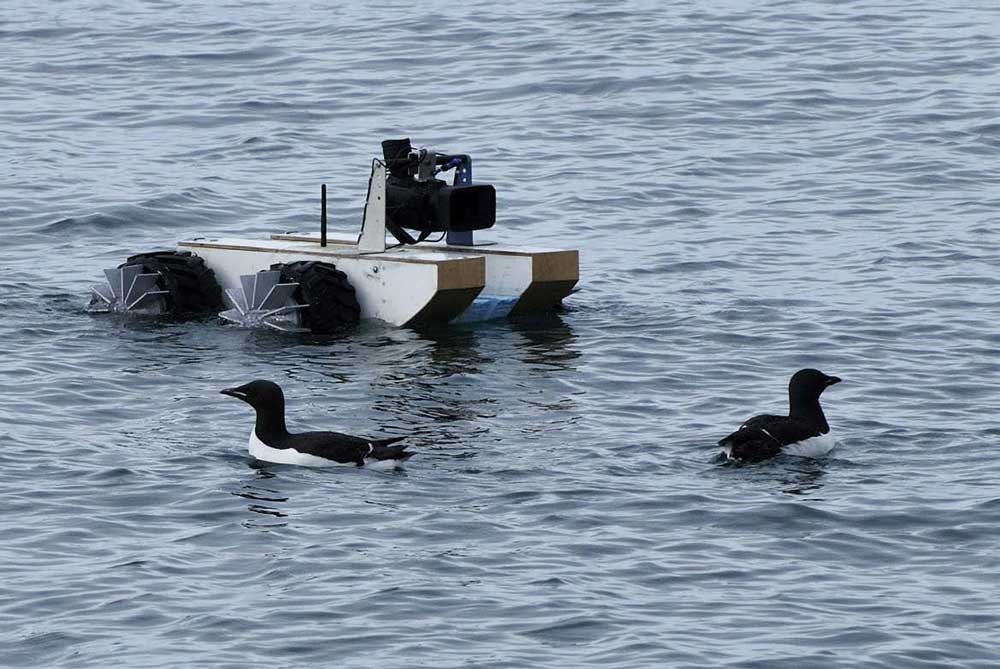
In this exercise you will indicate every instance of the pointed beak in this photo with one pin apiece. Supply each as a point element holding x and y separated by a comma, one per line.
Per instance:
<point>830,380</point>
<point>234,392</point>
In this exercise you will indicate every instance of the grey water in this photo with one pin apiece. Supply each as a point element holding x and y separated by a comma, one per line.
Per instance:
<point>754,187</point>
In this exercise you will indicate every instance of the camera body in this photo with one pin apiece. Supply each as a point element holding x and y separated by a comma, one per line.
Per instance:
<point>417,200</point>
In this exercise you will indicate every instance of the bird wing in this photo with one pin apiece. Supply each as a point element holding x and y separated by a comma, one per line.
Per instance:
<point>788,430</point>
<point>384,451</point>
<point>342,448</point>
<point>346,448</point>
<point>763,436</point>
<point>755,428</point>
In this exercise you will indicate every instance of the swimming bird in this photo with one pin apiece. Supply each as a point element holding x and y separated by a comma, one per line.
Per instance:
<point>804,431</point>
<point>271,441</point>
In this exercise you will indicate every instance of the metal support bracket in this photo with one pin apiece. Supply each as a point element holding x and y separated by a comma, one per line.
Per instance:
<point>372,239</point>
<point>463,177</point>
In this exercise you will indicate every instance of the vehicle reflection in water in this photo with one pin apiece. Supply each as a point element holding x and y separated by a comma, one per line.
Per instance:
<point>548,342</point>
<point>452,382</point>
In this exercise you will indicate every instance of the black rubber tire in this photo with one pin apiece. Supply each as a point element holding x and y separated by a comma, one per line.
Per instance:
<point>330,296</point>
<point>193,288</point>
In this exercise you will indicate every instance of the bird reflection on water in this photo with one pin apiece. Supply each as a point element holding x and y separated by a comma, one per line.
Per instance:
<point>261,498</point>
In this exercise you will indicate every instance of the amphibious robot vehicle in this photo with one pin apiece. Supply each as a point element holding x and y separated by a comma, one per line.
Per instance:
<point>308,283</point>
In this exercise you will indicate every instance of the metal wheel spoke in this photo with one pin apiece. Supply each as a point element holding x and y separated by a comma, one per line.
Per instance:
<point>129,290</point>
<point>261,300</point>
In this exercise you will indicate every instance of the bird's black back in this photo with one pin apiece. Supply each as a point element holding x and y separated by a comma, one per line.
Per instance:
<point>763,436</point>
<point>342,448</point>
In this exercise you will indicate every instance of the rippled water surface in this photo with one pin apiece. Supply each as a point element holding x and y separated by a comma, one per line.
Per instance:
<point>754,188</point>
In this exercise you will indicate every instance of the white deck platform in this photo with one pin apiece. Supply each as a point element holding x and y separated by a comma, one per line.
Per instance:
<point>401,286</point>
<point>411,284</point>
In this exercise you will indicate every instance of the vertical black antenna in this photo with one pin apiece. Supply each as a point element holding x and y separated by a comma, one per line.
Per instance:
<point>322,216</point>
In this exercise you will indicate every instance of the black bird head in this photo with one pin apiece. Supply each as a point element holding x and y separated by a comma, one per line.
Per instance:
<point>269,402</point>
<point>259,394</point>
<point>806,386</point>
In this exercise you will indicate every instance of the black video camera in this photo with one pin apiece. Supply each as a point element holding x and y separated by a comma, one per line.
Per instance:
<point>416,200</point>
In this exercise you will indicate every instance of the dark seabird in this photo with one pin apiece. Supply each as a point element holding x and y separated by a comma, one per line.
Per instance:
<point>270,441</point>
<point>804,431</point>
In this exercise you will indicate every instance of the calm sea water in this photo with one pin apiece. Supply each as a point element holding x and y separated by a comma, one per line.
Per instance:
<point>754,188</point>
